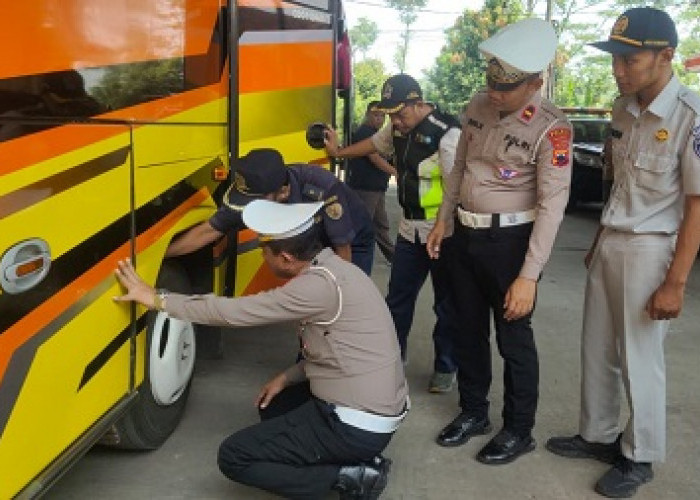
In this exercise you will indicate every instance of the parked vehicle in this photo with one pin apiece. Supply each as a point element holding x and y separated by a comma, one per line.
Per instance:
<point>591,128</point>
<point>117,122</point>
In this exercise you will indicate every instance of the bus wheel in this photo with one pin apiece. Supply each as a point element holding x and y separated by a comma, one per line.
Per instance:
<point>170,353</point>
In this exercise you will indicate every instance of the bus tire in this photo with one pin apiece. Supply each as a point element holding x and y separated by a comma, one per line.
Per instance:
<point>170,355</point>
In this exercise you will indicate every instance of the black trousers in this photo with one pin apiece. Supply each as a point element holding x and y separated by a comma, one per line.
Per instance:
<point>297,454</point>
<point>487,261</point>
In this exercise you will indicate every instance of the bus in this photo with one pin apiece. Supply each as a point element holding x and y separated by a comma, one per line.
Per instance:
<point>117,124</point>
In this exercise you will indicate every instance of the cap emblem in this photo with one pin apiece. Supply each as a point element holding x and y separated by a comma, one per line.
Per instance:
<point>388,91</point>
<point>497,74</point>
<point>239,183</point>
<point>620,25</point>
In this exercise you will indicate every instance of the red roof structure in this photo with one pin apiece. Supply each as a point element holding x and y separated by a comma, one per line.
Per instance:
<point>692,63</point>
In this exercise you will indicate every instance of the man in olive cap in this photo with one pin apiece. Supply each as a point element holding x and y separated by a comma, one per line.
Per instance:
<point>508,189</point>
<point>332,413</point>
<point>639,261</point>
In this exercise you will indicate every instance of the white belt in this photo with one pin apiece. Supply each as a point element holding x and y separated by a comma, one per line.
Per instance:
<point>369,421</point>
<point>482,221</point>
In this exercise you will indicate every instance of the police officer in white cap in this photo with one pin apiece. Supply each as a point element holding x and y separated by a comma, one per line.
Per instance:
<point>508,190</point>
<point>639,261</point>
<point>342,403</point>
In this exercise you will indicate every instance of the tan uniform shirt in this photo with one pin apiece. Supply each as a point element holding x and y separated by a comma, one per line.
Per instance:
<point>656,161</point>
<point>352,357</point>
<point>383,140</point>
<point>494,171</point>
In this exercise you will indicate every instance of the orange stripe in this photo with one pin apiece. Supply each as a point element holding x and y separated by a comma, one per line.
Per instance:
<point>73,34</point>
<point>246,236</point>
<point>276,73</point>
<point>39,318</point>
<point>264,279</point>
<point>31,149</point>
<point>324,160</point>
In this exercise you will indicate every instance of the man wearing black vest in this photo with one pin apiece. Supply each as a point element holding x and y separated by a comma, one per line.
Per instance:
<point>423,140</point>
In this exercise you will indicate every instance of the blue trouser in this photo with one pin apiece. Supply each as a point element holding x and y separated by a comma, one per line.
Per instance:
<point>409,270</point>
<point>362,248</point>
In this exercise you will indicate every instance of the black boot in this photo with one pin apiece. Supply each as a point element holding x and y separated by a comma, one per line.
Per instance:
<point>364,481</point>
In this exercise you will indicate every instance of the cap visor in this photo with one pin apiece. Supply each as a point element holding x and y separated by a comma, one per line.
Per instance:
<point>616,47</point>
<point>503,87</point>
<point>240,200</point>
<point>390,106</point>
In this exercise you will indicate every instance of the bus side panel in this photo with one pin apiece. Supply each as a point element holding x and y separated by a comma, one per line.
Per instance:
<point>285,83</point>
<point>60,369</point>
<point>103,94</point>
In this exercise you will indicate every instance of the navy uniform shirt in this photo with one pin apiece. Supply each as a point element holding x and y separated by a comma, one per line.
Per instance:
<point>344,215</point>
<point>362,173</point>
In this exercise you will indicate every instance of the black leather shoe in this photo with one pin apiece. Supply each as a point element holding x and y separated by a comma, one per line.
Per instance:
<point>577,447</point>
<point>505,447</point>
<point>363,481</point>
<point>624,478</point>
<point>462,428</point>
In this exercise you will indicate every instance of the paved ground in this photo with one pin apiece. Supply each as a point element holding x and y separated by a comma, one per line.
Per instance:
<point>223,391</point>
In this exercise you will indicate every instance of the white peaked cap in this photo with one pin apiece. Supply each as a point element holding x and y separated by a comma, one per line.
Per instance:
<point>278,221</point>
<point>527,46</point>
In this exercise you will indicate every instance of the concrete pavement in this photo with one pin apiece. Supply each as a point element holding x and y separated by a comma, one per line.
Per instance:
<point>223,391</point>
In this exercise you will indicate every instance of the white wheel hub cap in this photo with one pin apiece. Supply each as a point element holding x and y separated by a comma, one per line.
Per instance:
<point>172,356</point>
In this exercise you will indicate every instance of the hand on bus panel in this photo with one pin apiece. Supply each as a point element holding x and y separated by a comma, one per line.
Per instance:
<point>137,290</point>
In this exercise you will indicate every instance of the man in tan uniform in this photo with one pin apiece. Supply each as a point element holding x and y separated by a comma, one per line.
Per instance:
<point>356,396</point>
<point>640,259</point>
<point>511,181</point>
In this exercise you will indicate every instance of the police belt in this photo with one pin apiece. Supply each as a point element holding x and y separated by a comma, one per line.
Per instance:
<point>483,221</point>
<point>370,422</point>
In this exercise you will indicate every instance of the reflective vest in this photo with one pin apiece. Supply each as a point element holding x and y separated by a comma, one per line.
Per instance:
<point>419,179</point>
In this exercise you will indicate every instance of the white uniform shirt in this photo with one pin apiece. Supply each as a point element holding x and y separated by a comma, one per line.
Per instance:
<point>656,161</point>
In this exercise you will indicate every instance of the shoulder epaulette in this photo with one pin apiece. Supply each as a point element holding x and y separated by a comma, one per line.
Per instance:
<point>690,99</point>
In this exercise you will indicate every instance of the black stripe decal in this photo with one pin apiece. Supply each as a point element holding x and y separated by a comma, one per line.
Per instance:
<point>45,188</point>
<point>103,357</point>
<point>78,260</point>
<point>65,270</point>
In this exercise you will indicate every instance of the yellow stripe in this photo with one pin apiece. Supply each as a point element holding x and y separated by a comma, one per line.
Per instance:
<point>265,114</point>
<point>624,39</point>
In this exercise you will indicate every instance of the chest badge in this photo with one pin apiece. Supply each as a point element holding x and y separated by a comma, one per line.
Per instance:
<point>661,135</point>
<point>528,113</point>
<point>507,173</point>
<point>334,210</point>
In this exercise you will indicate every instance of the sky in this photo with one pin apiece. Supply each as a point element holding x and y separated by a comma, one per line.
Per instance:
<point>427,41</point>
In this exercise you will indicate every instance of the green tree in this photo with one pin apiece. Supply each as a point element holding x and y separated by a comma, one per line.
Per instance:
<point>408,13</point>
<point>363,35</point>
<point>130,84</point>
<point>369,75</point>
<point>458,71</point>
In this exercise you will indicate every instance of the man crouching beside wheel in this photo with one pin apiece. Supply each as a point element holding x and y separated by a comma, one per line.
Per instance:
<point>326,419</point>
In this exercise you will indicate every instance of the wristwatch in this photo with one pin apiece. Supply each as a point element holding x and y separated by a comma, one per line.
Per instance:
<point>159,299</point>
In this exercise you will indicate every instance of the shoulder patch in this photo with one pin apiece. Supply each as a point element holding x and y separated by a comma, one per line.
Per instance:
<point>334,210</point>
<point>559,138</point>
